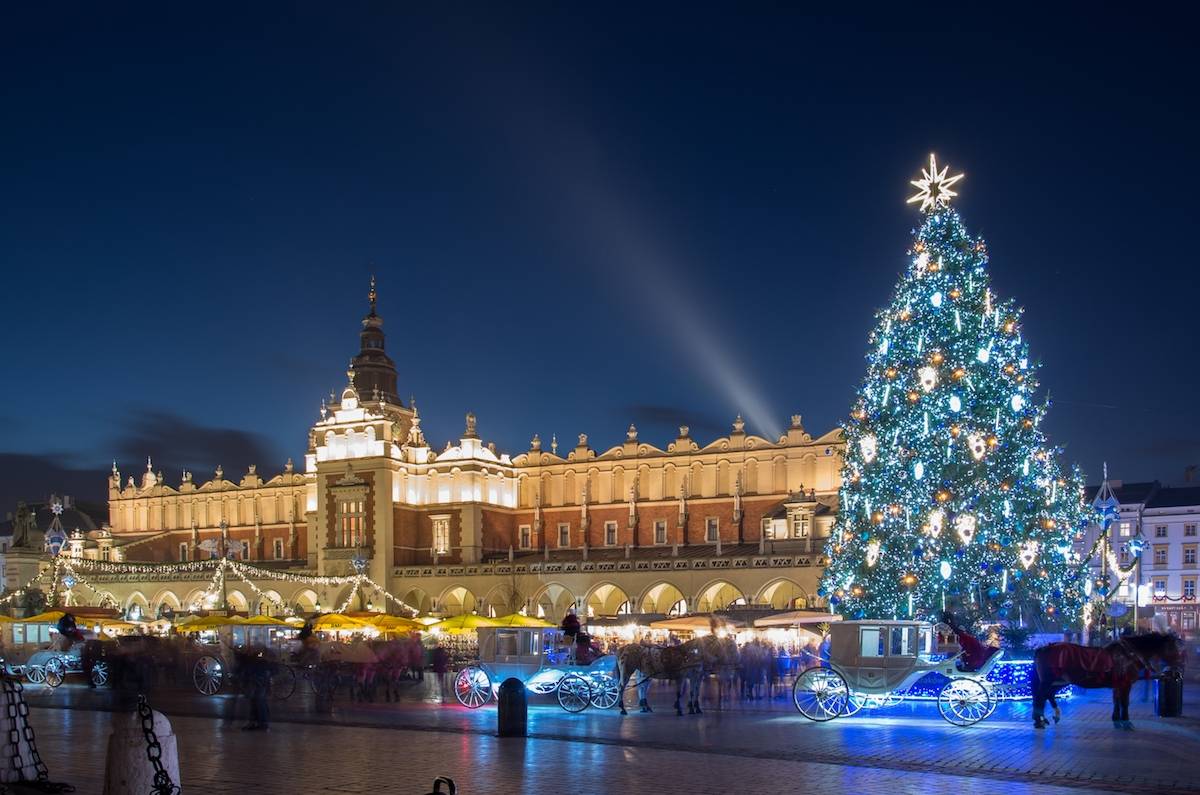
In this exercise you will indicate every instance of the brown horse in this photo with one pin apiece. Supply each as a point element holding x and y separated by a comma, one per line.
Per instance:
<point>685,664</point>
<point>1117,665</point>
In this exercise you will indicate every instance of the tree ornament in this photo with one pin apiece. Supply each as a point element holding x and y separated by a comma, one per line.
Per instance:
<point>964,525</point>
<point>927,376</point>
<point>933,188</point>
<point>1029,551</point>
<point>872,553</point>
<point>868,446</point>
<point>976,445</point>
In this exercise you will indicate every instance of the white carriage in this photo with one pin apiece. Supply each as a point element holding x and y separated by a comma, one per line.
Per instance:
<point>871,663</point>
<point>538,658</point>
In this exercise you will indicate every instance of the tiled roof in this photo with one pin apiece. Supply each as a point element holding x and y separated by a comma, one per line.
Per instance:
<point>1128,493</point>
<point>1173,497</point>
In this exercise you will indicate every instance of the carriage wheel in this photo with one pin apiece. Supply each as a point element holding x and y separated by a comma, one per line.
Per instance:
<point>821,694</point>
<point>55,671</point>
<point>36,674</point>
<point>574,693</point>
<point>472,687</point>
<point>208,675</point>
<point>993,702</point>
<point>605,691</point>
<point>100,674</point>
<point>283,682</point>
<point>964,702</point>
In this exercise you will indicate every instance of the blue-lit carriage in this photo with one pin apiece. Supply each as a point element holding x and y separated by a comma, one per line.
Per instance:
<point>538,657</point>
<point>876,664</point>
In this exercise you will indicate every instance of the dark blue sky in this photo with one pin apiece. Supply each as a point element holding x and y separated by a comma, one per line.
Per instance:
<point>578,218</point>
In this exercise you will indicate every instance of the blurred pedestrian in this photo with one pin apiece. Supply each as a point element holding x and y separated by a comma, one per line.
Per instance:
<point>257,680</point>
<point>441,669</point>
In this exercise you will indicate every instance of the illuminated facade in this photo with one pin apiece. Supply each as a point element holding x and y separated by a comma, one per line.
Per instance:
<point>634,527</point>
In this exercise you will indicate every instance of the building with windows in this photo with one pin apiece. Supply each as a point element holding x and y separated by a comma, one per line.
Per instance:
<point>1162,580</point>
<point>632,527</point>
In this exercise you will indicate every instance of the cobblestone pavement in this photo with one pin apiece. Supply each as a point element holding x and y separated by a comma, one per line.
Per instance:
<point>746,747</point>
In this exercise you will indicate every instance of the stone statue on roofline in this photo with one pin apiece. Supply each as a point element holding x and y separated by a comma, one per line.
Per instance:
<point>25,530</point>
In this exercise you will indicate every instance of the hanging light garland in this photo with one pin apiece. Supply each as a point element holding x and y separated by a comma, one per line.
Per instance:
<point>1114,563</point>
<point>349,598</point>
<point>24,588</point>
<point>243,571</point>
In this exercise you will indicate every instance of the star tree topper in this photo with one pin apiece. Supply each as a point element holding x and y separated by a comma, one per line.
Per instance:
<point>933,189</point>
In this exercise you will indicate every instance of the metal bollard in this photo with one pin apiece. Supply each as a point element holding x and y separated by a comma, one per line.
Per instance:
<point>512,711</point>
<point>1168,695</point>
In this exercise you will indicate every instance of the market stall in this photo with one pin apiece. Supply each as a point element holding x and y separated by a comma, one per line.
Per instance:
<point>458,635</point>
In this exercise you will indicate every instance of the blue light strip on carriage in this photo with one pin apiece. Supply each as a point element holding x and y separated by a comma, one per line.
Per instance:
<point>1010,677</point>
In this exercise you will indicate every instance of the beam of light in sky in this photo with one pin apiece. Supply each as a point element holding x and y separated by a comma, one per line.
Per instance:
<point>633,255</point>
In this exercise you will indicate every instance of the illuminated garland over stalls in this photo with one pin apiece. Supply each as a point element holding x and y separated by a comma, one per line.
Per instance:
<point>17,594</point>
<point>220,568</point>
<point>951,495</point>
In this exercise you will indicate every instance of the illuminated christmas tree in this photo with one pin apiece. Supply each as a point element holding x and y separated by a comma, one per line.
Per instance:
<point>951,495</point>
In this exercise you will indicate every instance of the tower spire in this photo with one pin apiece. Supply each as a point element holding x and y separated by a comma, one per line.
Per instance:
<point>372,295</point>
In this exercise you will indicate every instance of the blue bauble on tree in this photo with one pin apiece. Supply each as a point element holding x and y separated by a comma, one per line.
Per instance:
<point>1005,540</point>
<point>833,600</point>
<point>822,591</point>
<point>993,592</point>
<point>864,535</point>
<point>1002,612</point>
<point>860,614</point>
<point>918,552</point>
<point>997,567</point>
<point>1056,593</point>
<point>983,566</point>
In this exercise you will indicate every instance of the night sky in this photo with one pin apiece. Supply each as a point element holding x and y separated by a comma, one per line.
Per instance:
<point>578,219</point>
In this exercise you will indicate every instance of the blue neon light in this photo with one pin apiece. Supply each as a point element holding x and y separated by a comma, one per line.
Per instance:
<point>1009,677</point>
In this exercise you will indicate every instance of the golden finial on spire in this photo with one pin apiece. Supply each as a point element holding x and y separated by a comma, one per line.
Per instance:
<point>372,295</point>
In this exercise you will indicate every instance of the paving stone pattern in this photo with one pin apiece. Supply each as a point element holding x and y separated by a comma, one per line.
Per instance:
<point>744,748</point>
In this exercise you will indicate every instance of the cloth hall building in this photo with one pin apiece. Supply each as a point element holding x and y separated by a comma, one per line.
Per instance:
<point>687,527</point>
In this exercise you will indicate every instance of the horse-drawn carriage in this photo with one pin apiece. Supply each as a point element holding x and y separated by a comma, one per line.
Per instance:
<point>539,658</point>
<point>51,666</point>
<point>37,652</point>
<point>871,663</point>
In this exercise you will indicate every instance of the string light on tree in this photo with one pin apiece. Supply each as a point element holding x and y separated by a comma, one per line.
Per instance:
<point>945,433</point>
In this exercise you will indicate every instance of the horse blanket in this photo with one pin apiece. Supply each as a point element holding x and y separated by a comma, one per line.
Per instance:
<point>1085,666</point>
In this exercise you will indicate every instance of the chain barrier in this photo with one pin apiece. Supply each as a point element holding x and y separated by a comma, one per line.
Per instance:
<point>18,729</point>
<point>162,779</point>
